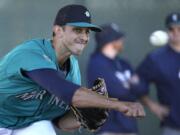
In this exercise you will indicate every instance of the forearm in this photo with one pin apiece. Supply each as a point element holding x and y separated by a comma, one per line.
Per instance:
<point>87,98</point>
<point>152,105</point>
<point>159,110</point>
<point>146,100</point>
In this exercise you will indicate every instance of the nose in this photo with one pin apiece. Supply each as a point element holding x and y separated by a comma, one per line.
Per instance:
<point>177,31</point>
<point>85,36</point>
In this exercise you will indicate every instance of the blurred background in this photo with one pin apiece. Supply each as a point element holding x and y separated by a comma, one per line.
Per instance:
<point>22,20</point>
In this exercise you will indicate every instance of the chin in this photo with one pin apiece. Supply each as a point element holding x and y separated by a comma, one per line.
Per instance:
<point>77,53</point>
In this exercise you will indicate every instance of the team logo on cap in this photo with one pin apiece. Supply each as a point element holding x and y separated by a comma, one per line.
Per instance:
<point>115,27</point>
<point>174,17</point>
<point>87,14</point>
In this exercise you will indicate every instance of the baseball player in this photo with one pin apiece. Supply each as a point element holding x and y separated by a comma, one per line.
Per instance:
<point>40,80</point>
<point>162,67</point>
<point>118,74</point>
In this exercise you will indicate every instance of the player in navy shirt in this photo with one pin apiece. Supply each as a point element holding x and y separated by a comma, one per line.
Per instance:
<point>118,75</point>
<point>162,67</point>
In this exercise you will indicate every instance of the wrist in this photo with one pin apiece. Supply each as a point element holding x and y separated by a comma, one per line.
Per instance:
<point>114,103</point>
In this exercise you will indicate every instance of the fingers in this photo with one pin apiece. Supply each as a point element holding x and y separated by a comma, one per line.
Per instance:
<point>162,112</point>
<point>134,110</point>
<point>141,112</point>
<point>166,111</point>
<point>159,110</point>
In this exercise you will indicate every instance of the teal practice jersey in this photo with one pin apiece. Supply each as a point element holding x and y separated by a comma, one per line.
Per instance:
<point>22,101</point>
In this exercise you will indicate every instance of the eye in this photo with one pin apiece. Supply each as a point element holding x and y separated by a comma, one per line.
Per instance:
<point>81,30</point>
<point>175,28</point>
<point>178,29</point>
<point>87,31</point>
<point>170,28</point>
<point>77,30</point>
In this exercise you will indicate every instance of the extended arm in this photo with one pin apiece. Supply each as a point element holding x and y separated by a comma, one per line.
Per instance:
<point>159,110</point>
<point>78,96</point>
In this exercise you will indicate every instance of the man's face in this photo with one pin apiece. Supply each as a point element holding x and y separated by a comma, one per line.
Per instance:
<point>75,39</point>
<point>174,34</point>
<point>118,45</point>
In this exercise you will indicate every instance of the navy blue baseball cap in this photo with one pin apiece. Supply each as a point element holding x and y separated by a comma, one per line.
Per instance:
<point>109,33</point>
<point>172,19</point>
<point>75,15</point>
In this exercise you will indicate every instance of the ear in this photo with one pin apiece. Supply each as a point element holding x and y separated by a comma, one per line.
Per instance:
<point>58,30</point>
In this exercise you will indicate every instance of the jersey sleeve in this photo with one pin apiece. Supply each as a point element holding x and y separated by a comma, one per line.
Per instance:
<point>147,72</point>
<point>52,81</point>
<point>28,61</point>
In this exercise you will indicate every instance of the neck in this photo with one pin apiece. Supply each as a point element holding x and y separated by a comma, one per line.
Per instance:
<point>109,52</point>
<point>62,53</point>
<point>175,47</point>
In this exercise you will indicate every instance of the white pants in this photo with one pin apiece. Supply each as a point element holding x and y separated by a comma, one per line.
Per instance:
<point>43,127</point>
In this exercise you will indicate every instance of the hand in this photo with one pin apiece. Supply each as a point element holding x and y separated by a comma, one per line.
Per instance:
<point>131,109</point>
<point>159,110</point>
<point>84,98</point>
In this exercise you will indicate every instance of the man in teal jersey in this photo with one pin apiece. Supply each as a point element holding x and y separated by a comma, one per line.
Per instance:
<point>40,78</point>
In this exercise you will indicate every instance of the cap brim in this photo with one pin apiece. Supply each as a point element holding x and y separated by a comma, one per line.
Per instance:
<point>174,23</point>
<point>86,25</point>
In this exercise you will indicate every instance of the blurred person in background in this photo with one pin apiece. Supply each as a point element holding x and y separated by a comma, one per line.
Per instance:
<point>119,77</point>
<point>162,68</point>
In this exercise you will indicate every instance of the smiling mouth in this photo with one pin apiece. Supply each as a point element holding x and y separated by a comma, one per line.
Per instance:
<point>81,42</point>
